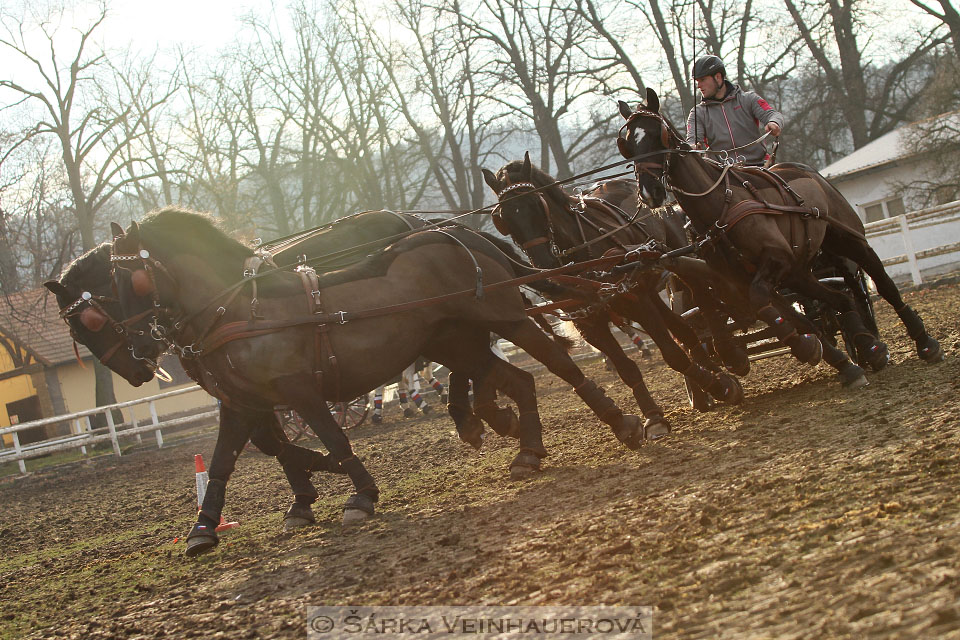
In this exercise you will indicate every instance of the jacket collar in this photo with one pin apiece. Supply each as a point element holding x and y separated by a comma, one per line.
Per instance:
<point>732,91</point>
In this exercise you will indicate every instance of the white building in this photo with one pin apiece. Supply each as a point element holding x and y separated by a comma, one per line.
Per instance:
<point>876,180</point>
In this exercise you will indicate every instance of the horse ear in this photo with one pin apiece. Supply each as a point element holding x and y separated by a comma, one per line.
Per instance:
<point>116,230</point>
<point>525,170</point>
<point>56,288</point>
<point>625,109</point>
<point>492,181</point>
<point>653,101</point>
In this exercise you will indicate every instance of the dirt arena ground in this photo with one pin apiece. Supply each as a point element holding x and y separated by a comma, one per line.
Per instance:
<point>807,512</point>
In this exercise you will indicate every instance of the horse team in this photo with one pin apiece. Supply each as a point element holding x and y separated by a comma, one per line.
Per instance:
<point>262,328</point>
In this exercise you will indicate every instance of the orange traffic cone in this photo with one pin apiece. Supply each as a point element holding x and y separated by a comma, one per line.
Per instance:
<point>202,480</point>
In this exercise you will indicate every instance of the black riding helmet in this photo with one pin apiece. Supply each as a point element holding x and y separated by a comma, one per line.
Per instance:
<point>707,66</point>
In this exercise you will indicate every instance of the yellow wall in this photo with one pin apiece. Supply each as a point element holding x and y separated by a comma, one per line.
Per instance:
<point>77,386</point>
<point>11,390</point>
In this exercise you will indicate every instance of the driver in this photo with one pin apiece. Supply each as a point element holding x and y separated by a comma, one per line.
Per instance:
<point>727,116</point>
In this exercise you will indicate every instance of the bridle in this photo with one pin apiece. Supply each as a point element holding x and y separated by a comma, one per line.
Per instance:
<point>143,277</point>
<point>501,224</point>
<point>89,311</point>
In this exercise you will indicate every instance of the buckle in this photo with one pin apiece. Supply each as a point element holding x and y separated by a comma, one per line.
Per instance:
<point>342,319</point>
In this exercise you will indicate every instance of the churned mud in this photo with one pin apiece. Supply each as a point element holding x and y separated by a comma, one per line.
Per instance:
<point>808,511</point>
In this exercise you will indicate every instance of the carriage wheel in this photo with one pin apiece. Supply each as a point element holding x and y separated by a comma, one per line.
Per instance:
<point>350,414</point>
<point>293,425</point>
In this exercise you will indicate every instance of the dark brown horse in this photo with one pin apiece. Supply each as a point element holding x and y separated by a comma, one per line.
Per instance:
<point>306,339</point>
<point>84,294</point>
<point>553,227</point>
<point>767,228</point>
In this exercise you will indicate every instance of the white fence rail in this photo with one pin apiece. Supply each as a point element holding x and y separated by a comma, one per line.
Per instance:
<point>84,435</point>
<point>925,240</point>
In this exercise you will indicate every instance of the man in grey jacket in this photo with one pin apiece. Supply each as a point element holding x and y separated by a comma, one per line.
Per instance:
<point>727,116</point>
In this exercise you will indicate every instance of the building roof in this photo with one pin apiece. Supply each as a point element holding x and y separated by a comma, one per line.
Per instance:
<point>887,148</point>
<point>32,319</point>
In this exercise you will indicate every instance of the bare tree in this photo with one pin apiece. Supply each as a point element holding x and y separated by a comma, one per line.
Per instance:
<point>869,97</point>
<point>70,109</point>
<point>949,15</point>
<point>543,64</point>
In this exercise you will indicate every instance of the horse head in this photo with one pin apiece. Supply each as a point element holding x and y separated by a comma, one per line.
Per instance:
<point>523,212</point>
<point>135,280</point>
<point>645,133</point>
<point>85,297</point>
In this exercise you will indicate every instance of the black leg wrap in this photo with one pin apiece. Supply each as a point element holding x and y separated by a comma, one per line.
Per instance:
<point>734,357</point>
<point>605,408</point>
<point>213,500</point>
<point>307,459</point>
<point>361,478</point>
<point>928,348</point>
<point>502,420</point>
<point>912,322</point>
<point>771,317</point>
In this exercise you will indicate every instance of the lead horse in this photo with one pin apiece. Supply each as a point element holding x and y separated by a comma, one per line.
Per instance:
<point>765,228</point>
<point>285,346</point>
<point>551,226</point>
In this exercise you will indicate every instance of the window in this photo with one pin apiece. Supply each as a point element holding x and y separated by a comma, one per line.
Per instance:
<point>889,208</point>
<point>180,377</point>
<point>873,213</point>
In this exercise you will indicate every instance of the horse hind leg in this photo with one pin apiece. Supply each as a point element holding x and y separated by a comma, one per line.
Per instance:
<point>301,393</point>
<point>851,375</point>
<point>869,349</point>
<point>469,426</point>
<point>928,349</point>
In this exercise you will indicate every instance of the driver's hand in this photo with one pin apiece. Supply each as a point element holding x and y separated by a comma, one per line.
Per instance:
<point>773,128</point>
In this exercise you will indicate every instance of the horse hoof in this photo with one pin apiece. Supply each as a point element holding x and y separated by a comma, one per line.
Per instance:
<point>876,356</point>
<point>734,358</point>
<point>504,422</point>
<point>732,389</point>
<point>930,351</point>
<point>200,540</point>
<point>409,413</point>
<point>524,466</point>
<point>630,432</point>
<point>358,508</point>
<point>807,349</point>
<point>354,516</point>
<point>656,427</point>
<point>426,409</point>
<point>297,516</point>
<point>853,377</point>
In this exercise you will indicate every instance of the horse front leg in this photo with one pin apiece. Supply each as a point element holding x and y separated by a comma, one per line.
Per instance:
<point>596,331</point>
<point>234,432</point>
<point>301,393</point>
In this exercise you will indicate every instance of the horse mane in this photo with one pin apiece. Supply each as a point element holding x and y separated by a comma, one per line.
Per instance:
<point>194,228</point>
<point>198,234</point>
<point>96,261</point>
<point>539,177</point>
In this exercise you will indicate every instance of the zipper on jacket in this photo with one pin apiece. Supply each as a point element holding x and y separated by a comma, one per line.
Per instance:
<point>733,142</point>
